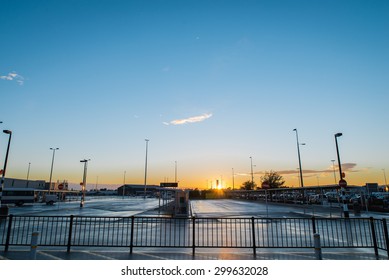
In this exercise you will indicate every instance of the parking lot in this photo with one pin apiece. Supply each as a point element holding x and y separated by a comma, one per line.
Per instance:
<point>138,206</point>
<point>94,206</point>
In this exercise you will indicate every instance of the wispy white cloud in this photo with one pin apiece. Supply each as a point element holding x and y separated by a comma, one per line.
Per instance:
<point>13,77</point>
<point>194,119</point>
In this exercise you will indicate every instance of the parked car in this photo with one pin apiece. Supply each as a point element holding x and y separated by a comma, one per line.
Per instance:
<point>332,196</point>
<point>355,198</point>
<point>314,199</point>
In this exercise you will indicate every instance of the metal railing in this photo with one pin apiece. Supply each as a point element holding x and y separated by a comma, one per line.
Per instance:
<point>136,232</point>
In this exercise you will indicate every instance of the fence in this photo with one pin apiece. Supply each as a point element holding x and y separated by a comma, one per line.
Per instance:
<point>136,232</point>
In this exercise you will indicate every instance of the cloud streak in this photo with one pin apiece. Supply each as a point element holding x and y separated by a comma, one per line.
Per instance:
<point>13,77</point>
<point>346,167</point>
<point>194,119</point>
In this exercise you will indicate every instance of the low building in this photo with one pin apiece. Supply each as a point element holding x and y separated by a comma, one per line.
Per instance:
<point>21,183</point>
<point>137,190</point>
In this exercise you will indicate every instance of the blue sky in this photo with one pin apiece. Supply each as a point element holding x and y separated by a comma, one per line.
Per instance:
<point>210,83</point>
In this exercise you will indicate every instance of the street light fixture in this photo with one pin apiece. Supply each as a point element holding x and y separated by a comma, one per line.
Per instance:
<point>85,161</point>
<point>9,132</point>
<point>299,158</point>
<point>345,206</point>
<point>52,163</point>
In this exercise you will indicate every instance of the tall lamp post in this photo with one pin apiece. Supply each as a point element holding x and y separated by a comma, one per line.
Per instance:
<point>28,173</point>
<point>85,161</point>
<point>341,181</point>
<point>147,145</point>
<point>337,153</point>
<point>299,158</point>
<point>28,170</point>
<point>252,174</point>
<point>52,164</point>
<point>9,132</point>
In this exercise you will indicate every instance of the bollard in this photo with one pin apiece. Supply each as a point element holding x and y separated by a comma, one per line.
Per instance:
<point>316,238</point>
<point>34,245</point>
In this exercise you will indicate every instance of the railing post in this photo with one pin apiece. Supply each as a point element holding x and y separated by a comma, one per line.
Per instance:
<point>34,245</point>
<point>373,235</point>
<point>8,233</point>
<point>132,234</point>
<point>386,235</point>
<point>193,235</point>
<point>318,254</point>
<point>253,235</point>
<point>314,224</point>
<point>70,233</point>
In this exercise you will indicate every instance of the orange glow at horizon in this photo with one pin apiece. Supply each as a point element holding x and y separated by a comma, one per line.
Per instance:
<point>199,181</point>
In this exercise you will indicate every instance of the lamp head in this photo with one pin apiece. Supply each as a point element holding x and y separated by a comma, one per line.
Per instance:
<point>338,134</point>
<point>7,131</point>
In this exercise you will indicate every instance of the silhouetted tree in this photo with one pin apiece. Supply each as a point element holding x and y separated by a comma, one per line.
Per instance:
<point>195,194</point>
<point>249,185</point>
<point>274,179</point>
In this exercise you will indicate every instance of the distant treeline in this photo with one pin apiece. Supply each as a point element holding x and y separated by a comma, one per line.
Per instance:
<point>206,194</point>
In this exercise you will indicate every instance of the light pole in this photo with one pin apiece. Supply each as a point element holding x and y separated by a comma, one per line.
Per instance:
<point>345,206</point>
<point>9,132</point>
<point>299,158</point>
<point>85,161</point>
<point>28,173</point>
<point>337,153</point>
<point>52,164</point>
<point>333,168</point>
<point>252,174</point>
<point>147,145</point>
<point>28,170</point>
